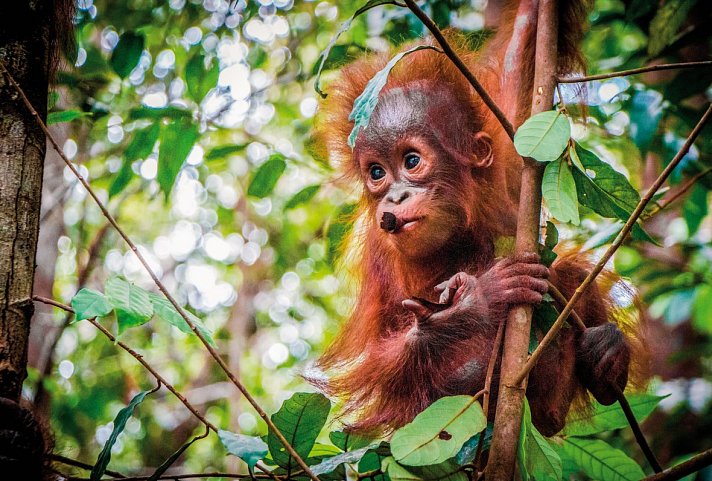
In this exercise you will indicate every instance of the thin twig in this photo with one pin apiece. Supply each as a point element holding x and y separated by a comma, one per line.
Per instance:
<point>183,476</point>
<point>151,370</point>
<point>615,245</point>
<point>663,204</point>
<point>136,356</point>
<point>496,348</point>
<point>253,402</point>
<point>447,49</point>
<point>637,432</point>
<point>690,466</point>
<point>78,464</point>
<point>632,421</point>
<point>634,71</point>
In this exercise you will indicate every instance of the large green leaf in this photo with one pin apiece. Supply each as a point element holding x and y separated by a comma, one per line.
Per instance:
<point>606,191</point>
<point>365,104</point>
<point>602,418</point>
<point>131,303</point>
<point>266,177</point>
<point>601,461</point>
<point>324,55</point>
<point>447,471</point>
<point>438,433</point>
<point>559,191</point>
<point>119,424</point>
<point>544,136</point>
<point>537,458</point>
<point>200,80</point>
<point>250,449</point>
<point>177,139</point>
<point>300,419</point>
<point>127,53</point>
<point>88,304</point>
<point>165,310</point>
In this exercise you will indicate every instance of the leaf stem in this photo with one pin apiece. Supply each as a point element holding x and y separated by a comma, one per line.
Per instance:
<point>690,466</point>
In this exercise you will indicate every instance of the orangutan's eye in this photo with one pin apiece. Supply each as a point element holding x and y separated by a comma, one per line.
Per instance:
<point>376,172</point>
<point>411,160</point>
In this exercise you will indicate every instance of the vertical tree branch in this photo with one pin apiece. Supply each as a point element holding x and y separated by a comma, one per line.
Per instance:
<point>516,338</point>
<point>25,39</point>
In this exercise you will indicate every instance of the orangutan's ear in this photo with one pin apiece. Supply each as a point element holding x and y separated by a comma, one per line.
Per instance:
<point>483,154</point>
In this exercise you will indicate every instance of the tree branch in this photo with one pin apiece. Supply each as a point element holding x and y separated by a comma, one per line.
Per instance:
<point>663,204</point>
<point>447,49</point>
<point>615,245</point>
<point>253,402</point>
<point>690,466</point>
<point>510,400</point>
<point>634,71</point>
<point>496,348</point>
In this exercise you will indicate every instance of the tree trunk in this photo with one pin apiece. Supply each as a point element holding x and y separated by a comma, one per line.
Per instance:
<point>25,53</point>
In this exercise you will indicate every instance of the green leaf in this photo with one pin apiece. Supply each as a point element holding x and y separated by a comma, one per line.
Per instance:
<point>702,309</point>
<point>119,424</point>
<point>438,433</point>
<point>88,304</point>
<point>605,191</point>
<point>250,449</point>
<point>200,80</point>
<point>171,460</point>
<point>573,155</point>
<point>347,441</point>
<point>132,304</point>
<point>447,471</point>
<point>300,420</point>
<point>266,177</point>
<point>695,208</point>
<point>177,139</point>
<point>538,458</point>
<point>666,24</point>
<point>365,103</point>
<point>552,235</point>
<point>373,460</point>
<point>165,310</point>
<point>140,147</point>
<point>330,464</point>
<point>324,55</point>
<point>544,136</point>
<point>223,151</point>
<point>338,230</point>
<point>121,179</point>
<point>153,113</point>
<point>559,191</point>
<point>143,142</point>
<point>66,116</point>
<point>302,197</point>
<point>504,246</point>
<point>127,53</point>
<point>601,461</point>
<point>602,418</point>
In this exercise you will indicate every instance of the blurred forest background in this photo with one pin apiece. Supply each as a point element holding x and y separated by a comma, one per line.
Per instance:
<point>241,216</point>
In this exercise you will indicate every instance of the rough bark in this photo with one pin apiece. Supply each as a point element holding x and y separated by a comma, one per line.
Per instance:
<point>25,52</point>
<point>510,401</point>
